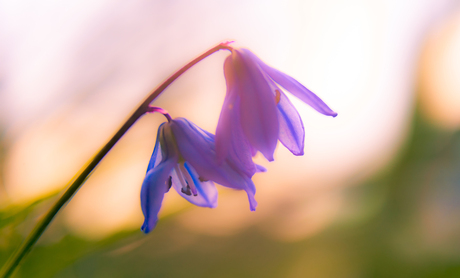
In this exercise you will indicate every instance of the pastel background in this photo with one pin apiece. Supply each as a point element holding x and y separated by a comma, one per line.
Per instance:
<point>377,193</point>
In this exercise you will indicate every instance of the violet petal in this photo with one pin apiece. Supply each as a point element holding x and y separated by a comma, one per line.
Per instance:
<point>199,152</point>
<point>292,132</point>
<point>294,87</point>
<point>156,157</point>
<point>152,192</point>
<point>260,168</point>
<point>207,191</point>
<point>257,106</point>
<point>226,118</point>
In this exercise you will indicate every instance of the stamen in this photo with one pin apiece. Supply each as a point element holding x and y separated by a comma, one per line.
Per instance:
<point>181,178</point>
<point>186,191</point>
<point>278,96</point>
<point>189,179</point>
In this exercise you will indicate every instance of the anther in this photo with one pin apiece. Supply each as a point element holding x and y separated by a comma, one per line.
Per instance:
<point>277,96</point>
<point>186,191</point>
<point>188,179</point>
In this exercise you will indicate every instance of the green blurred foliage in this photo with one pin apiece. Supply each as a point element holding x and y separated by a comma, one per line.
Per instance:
<point>404,224</point>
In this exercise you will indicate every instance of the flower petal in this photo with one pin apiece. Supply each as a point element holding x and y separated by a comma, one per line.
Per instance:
<point>199,152</point>
<point>259,119</point>
<point>294,87</point>
<point>156,157</point>
<point>292,132</point>
<point>207,191</point>
<point>239,150</point>
<point>251,191</point>
<point>260,169</point>
<point>152,192</point>
<point>168,142</point>
<point>227,115</point>
<point>230,138</point>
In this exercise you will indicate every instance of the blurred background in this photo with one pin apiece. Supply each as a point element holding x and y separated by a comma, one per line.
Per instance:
<point>377,193</point>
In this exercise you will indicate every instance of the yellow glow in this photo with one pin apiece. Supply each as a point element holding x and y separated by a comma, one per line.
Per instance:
<point>101,62</point>
<point>440,74</point>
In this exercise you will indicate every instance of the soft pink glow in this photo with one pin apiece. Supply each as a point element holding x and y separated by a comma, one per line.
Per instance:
<point>97,60</point>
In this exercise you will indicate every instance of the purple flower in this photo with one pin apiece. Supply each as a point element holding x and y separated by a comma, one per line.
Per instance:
<point>184,158</point>
<point>256,113</point>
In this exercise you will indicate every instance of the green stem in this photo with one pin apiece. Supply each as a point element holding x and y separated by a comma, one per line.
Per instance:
<point>29,242</point>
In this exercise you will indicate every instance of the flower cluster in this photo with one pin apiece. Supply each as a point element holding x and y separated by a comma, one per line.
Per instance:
<point>184,158</point>
<point>255,115</point>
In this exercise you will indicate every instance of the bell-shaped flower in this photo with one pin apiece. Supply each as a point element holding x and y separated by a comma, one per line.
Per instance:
<point>256,113</point>
<point>184,158</point>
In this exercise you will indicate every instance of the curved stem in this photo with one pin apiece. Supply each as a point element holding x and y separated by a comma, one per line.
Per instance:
<point>74,185</point>
<point>153,109</point>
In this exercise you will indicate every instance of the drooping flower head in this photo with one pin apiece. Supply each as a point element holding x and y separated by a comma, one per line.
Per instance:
<point>184,158</point>
<point>256,113</point>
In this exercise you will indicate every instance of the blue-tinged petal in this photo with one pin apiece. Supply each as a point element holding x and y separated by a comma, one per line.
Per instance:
<point>251,191</point>
<point>200,153</point>
<point>209,137</point>
<point>152,192</point>
<point>156,157</point>
<point>292,132</point>
<point>197,149</point>
<point>259,119</point>
<point>252,202</point>
<point>206,134</point>
<point>294,87</point>
<point>260,168</point>
<point>207,191</point>
<point>239,149</point>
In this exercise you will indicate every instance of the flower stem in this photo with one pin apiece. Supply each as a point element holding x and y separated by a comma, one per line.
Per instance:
<point>153,109</point>
<point>75,184</point>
